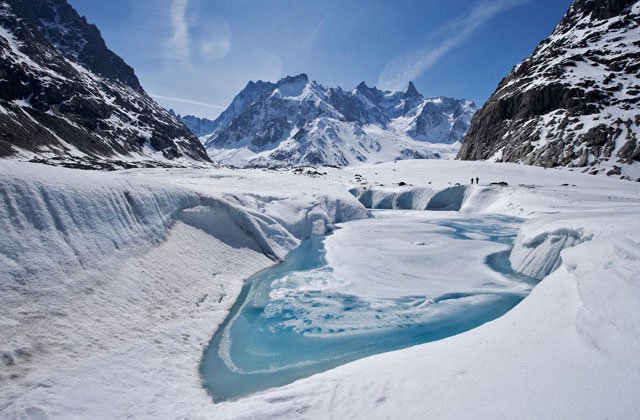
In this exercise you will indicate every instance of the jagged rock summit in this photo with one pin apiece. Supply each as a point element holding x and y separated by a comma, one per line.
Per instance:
<point>199,126</point>
<point>66,98</point>
<point>296,121</point>
<point>575,101</point>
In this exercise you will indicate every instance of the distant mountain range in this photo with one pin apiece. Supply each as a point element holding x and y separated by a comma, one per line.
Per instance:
<point>296,121</point>
<point>199,126</point>
<point>575,101</point>
<point>66,98</point>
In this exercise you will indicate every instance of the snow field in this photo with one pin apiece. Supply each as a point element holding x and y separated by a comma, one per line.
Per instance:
<point>109,300</point>
<point>569,350</point>
<point>113,284</point>
<point>421,259</point>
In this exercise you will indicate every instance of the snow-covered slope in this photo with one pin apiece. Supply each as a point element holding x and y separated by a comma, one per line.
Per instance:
<point>111,284</point>
<point>574,102</point>
<point>296,122</point>
<point>66,98</point>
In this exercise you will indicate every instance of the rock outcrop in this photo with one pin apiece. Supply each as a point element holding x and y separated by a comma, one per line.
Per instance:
<point>575,101</point>
<point>66,98</point>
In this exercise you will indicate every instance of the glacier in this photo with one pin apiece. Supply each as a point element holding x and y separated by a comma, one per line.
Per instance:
<point>117,281</point>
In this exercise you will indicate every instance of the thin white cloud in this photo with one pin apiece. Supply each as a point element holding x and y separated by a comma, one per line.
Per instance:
<point>307,41</point>
<point>186,101</point>
<point>215,48</point>
<point>215,41</point>
<point>402,69</point>
<point>178,46</point>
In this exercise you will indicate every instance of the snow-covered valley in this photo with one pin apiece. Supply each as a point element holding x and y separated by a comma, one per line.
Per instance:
<point>112,285</point>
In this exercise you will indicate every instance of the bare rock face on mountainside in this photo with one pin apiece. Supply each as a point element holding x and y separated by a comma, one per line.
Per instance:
<point>300,122</point>
<point>65,97</point>
<point>575,101</point>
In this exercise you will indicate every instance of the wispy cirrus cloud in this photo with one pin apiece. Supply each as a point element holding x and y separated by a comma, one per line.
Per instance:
<point>214,40</point>
<point>178,46</point>
<point>186,101</point>
<point>402,69</point>
<point>192,39</point>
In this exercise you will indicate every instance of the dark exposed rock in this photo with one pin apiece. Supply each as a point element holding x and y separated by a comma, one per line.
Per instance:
<point>65,97</point>
<point>574,101</point>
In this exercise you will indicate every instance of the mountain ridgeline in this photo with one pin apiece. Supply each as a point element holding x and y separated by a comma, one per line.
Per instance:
<point>66,98</point>
<point>575,101</point>
<point>199,126</point>
<point>297,121</point>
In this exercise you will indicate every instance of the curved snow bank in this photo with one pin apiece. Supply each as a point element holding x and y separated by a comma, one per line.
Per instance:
<point>54,222</point>
<point>489,199</point>
<point>538,254</point>
<point>301,216</point>
<point>240,228</point>
<point>52,225</point>
<point>539,247</point>
<point>448,199</point>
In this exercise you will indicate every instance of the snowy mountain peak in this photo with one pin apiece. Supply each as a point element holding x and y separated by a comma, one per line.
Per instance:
<point>292,86</point>
<point>296,121</point>
<point>574,101</point>
<point>412,91</point>
<point>290,80</point>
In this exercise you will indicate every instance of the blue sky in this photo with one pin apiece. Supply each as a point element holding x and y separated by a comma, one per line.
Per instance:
<point>196,55</point>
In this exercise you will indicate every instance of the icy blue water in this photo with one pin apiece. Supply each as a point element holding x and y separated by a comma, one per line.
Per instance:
<point>271,339</point>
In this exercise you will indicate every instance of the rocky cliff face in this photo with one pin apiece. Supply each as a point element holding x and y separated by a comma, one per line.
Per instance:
<point>66,98</point>
<point>296,121</point>
<point>575,101</point>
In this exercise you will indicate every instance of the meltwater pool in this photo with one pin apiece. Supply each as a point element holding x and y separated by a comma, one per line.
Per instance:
<point>299,317</point>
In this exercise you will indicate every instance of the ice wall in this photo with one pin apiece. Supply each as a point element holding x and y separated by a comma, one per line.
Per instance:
<point>55,221</point>
<point>449,199</point>
<point>52,228</point>
<point>538,248</point>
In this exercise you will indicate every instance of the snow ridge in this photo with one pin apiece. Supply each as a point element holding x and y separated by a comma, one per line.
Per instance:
<point>300,122</point>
